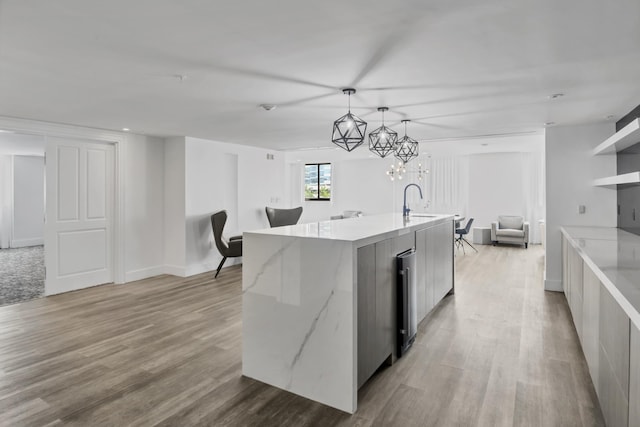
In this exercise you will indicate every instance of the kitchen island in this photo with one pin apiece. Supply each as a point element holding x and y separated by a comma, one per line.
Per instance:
<point>318,305</point>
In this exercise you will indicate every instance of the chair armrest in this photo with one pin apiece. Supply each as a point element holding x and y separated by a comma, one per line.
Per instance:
<point>232,238</point>
<point>494,227</point>
<point>235,247</point>
<point>525,227</point>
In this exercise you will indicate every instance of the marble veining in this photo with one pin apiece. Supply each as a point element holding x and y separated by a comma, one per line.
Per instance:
<point>299,314</point>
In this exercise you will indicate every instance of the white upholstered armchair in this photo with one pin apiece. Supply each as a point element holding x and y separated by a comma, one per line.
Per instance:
<point>510,229</point>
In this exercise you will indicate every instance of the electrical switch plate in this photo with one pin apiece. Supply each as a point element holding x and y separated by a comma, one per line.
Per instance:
<point>582,209</point>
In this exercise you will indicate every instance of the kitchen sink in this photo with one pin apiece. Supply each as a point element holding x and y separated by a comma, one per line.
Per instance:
<point>423,215</point>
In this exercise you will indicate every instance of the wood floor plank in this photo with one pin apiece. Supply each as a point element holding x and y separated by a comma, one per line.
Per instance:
<point>167,351</point>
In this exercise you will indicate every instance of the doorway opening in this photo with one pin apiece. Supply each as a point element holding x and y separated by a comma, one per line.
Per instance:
<point>22,212</point>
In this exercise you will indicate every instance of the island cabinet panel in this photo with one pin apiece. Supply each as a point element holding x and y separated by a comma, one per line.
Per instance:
<point>443,253</point>
<point>366,309</point>
<point>434,251</point>
<point>385,308</point>
<point>590,321</point>
<point>613,378</point>
<point>634,378</point>
<point>425,263</point>
<point>376,306</point>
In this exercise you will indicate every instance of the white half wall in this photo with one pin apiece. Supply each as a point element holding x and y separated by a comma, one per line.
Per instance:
<point>174,207</point>
<point>144,207</point>
<point>239,179</point>
<point>28,201</point>
<point>570,171</point>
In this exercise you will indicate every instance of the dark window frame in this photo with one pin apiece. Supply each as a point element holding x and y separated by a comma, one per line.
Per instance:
<point>318,199</point>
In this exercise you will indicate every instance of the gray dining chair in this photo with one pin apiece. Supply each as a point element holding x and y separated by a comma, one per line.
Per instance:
<point>228,248</point>
<point>280,217</point>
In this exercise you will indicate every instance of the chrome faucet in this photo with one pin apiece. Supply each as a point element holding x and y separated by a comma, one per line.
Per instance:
<point>405,209</point>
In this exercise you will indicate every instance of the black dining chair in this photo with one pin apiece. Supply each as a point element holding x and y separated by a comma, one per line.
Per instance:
<point>461,232</point>
<point>280,217</point>
<point>227,248</point>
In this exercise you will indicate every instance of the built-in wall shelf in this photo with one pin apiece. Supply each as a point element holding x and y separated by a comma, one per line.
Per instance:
<point>624,138</point>
<point>613,181</point>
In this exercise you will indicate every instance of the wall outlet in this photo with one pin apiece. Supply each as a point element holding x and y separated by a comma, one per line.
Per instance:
<point>582,209</point>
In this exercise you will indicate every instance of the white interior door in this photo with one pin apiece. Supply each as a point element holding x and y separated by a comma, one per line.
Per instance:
<point>79,221</point>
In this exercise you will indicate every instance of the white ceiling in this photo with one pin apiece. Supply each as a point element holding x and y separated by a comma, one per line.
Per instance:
<point>457,68</point>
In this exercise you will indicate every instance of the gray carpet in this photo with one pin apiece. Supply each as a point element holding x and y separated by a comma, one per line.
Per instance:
<point>21,274</point>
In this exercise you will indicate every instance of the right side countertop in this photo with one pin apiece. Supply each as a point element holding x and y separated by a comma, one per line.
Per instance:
<point>614,256</point>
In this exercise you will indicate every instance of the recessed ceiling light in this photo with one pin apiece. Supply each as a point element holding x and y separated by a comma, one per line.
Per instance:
<point>125,129</point>
<point>556,95</point>
<point>484,144</point>
<point>549,123</point>
<point>610,117</point>
<point>269,107</point>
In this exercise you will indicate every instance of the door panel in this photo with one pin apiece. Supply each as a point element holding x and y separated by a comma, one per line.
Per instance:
<point>86,251</point>
<point>96,184</point>
<point>68,174</point>
<point>79,228</point>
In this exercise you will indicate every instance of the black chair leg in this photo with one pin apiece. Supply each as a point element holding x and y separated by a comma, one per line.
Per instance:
<point>467,242</point>
<point>220,266</point>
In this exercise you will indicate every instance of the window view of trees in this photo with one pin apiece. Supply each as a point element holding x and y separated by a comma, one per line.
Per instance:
<point>317,181</point>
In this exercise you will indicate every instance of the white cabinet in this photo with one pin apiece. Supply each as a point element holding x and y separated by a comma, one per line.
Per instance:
<point>591,322</point>
<point>634,378</point>
<point>613,365</point>
<point>572,266</point>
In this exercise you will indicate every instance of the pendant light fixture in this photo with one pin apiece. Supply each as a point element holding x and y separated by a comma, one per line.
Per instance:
<point>396,171</point>
<point>406,148</point>
<point>348,130</point>
<point>383,140</point>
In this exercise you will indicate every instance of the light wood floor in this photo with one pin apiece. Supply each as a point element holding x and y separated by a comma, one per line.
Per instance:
<point>166,351</point>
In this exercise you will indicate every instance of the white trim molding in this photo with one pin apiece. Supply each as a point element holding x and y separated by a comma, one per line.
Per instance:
<point>23,243</point>
<point>48,129</point>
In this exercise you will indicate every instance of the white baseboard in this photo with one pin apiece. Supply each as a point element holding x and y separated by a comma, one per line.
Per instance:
<point>23,243</point>
<point>143,273</point>
<point>553,285</point>
<point>174,270</point>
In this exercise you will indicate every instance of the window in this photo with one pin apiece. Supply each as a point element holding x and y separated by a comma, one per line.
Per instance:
<point>317,181</point>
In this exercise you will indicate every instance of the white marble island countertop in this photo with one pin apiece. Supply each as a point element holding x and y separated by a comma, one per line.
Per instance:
<point>300,300</point>
<point>359,230</point>
<point>614,256</point>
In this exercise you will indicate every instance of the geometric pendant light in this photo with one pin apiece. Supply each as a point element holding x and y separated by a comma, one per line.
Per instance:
<point>348,130</point>
<point>382,141</point>
<point>406,148</point>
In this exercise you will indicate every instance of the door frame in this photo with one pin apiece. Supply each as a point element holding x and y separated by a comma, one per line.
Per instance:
<point>118,140</point>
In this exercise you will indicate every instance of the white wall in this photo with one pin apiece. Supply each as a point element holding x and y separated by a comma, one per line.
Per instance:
<point>506,184</point>
<point>220,176</point>
<point>144,207</point>
<point>495,186</point>
<point>570,170</point>
<point>6,200</point>
<point>359,182</point>
<point>28,201</point>
<point>174,206</point>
